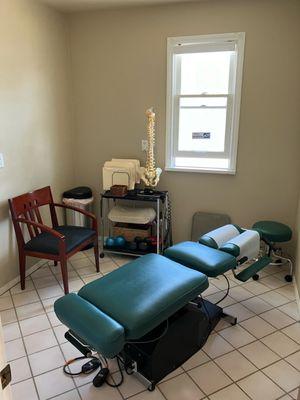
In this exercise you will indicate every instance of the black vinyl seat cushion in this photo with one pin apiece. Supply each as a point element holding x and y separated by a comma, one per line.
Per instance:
<point>47,243</point>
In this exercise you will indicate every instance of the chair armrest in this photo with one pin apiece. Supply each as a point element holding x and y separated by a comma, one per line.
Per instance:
<point>42,227</point>
<point>80,210</point>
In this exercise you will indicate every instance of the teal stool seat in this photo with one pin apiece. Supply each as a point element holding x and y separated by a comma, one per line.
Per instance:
<point>129,302</point>
<point>211,262</point>
<point>273,231</point>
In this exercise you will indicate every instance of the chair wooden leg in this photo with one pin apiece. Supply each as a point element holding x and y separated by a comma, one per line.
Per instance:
<point>22,262</point>
<point>96,251</point>
<point>55,263</point>
<point>64,272</point>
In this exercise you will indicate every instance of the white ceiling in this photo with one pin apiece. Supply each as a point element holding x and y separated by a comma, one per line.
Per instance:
<point>76,5</point>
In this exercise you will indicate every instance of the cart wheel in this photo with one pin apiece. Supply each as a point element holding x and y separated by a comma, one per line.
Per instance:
<point>102,255</point>
<point>151,387</point>
<point>255,277</point>
<point>288,278</point>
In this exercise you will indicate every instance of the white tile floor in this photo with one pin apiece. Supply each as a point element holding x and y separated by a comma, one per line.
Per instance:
<point>257,359</point>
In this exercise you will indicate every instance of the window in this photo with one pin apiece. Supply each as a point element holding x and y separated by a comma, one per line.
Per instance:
<point>203,101</point>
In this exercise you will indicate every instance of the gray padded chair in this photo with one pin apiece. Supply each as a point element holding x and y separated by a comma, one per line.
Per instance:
<point>204,222</point>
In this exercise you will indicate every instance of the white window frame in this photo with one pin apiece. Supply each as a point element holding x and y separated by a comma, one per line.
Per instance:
<point>189,44</point>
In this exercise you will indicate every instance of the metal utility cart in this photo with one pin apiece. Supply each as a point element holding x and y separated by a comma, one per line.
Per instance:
<point>162,226</point>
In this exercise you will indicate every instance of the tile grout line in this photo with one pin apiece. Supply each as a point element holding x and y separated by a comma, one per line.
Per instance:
<point>258,369</point>
<point>237,349</point>
<point>259,339</point>
<point>59,344</point>
<point>51,327</point>
<point>27,356</point>
<point>231,381</point>
<point>61,285</point>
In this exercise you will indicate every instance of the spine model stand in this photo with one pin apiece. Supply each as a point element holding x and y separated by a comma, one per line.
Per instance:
<point>150,175</point>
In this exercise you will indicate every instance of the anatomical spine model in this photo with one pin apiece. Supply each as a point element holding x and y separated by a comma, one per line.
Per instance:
<point>150,175</point>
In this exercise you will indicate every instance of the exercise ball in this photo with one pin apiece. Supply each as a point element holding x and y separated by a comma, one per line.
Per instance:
<point>110,242</point>
<point>143,246</point>
<point>120,241</point>
<point>138,239</point>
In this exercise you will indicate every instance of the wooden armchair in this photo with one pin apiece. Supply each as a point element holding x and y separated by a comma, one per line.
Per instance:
<point>57,243</point>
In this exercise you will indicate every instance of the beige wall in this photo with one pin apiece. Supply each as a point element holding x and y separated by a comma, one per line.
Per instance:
<point>119,69</point>
<point>35,135</point>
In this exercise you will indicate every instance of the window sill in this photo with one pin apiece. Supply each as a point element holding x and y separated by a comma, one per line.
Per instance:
<point>202,170</point>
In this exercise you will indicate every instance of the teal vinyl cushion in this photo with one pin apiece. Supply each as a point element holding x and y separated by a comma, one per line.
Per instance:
<point>208,241</point>
<point>273,231</point>
<point>210,262</point>
<point>92,325</point>
<point>144,293</point>
<point>231,248</point>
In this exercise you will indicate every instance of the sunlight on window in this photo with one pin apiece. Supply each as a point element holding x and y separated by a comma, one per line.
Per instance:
<point>209,163</point>
<point>202,115</point>
<point>205,72</point>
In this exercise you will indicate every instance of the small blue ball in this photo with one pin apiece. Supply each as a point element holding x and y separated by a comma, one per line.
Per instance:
<point>110,242</point>
<point>120,241</point>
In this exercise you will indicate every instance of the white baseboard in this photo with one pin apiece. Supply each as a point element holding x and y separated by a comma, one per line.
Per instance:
<point>16,280</point>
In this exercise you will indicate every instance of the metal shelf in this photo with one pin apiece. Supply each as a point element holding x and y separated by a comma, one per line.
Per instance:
<point>137,195</point>
<point>127,252</point>
<point>163,220</point>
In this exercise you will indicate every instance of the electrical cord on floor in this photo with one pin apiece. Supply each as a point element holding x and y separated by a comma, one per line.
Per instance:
<point>86,368</point>
<point>92,365</point>
<point>103,374</point>
<point>227,291</point>
<point>115,385</point>
<point>208,320</point>
<point>206,311</point>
